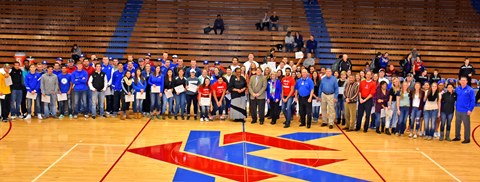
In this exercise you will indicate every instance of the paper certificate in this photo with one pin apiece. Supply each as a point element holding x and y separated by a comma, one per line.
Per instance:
<point>315,103</point>
<point>168,93</point>
<point>2,97</point>
<point>298,55</point>
<point>108,91</point>
<point>228,96</point>
<point>341,90</point>
<point>204,101</point>
<point>192,88</point>
<point>61,97</point>
<point>45,98</point>
<point>31,96</point>
<point>179,89</point>
<point>129,98</point>
<point>141,96</point>
<point>8,81</point>
<point>155,89</point>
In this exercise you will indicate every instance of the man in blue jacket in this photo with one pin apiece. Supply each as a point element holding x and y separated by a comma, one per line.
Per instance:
<point>465,104</point>
<point>117,87</point>
<point>79,80</point>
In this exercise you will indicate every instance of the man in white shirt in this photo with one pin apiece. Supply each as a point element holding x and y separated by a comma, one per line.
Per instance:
<point>235,64</point>
<point>249,62</point>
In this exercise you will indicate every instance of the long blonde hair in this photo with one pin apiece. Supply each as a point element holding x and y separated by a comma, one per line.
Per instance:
<point>403,91</point>
<point>397,87</point>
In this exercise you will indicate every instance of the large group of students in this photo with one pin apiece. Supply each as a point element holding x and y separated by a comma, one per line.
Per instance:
<point>389,101</point>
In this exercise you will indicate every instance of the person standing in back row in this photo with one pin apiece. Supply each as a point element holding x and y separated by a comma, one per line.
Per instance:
<point>467,70</point>
<point>464,108</point>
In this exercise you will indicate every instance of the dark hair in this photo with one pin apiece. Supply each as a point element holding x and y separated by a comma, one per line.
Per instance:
<point>237,69</point>
<point>204,80</point>
<point>463,77</point>
<point>98,64</point>
<point>367,63</point>
<point>383,83</point>
<point>155,72</point>
<point>63,66</point>
<point>135,79</point>
<point>48,67</point>
<point>451,84</point>
<point>288,69</point>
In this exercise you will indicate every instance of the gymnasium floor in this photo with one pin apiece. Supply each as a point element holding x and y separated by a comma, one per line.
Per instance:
<point>176,150</point>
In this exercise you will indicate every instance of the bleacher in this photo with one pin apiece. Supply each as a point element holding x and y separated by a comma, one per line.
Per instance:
<point>444,32</point>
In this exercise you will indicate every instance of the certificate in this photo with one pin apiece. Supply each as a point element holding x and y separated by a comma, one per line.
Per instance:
<point>168,93</point>
<point>341,90</point>
<point>228,96</point>
<point>45,98</point>
<point>31,96</point>
<point>298,55</point>
<point>382,113</point>
<point>8,81</point>
<point>108,91</point>
<point>179,89</point>
<point>129,98</point>
<point>2,97</point>
<point>141,96</point>
<point>192,88</point>
<point>61,97</point>
<point>315,103</point>
<point>204,101</point>
<point>155,89</point>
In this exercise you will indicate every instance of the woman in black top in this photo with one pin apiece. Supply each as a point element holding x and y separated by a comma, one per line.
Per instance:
<point>127,89</point>
<point>237,87</point>
<point>316,85</point>
<point>448,106</point>
<point>340,104</point>
<point>168,85</point>
<point>180,98</point>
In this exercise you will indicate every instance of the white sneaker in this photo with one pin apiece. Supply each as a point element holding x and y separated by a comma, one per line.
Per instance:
<point>13,117</point>
<point>411,134</point>
<point>201,119</point>
<point>40,116</point>
<point>415,136</point>
<point>28,117</point>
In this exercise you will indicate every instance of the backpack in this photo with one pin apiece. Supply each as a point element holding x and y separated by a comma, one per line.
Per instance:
<point>372,64</point>
<point>335,64</point>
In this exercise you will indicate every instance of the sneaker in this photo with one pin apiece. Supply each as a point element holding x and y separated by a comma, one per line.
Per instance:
<point>222,118</point>
<point>61,116</point>
<point>201,119</point>
<point>70,116</point>
<point>415,136</point>
<point>398,134</point>
<point>75,117</point>
<point>13,117</point>
<point>210,119</point>
<point>40,116</point>
<point>86,115</point>
<point>28,116</point>
<point>411,135</point>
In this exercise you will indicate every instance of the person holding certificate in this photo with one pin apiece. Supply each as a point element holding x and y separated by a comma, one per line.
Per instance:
<point>49,87</point>
<point>5,94</point>
<point>127,90</point>
<point>192,92</point>
<point>98,84</point>
<point>168,84</point>
<point>139,85</point>
<point>156,81</point>
<point>204,96</point>
<point>218,99</point>
<point>65,87</point>
<point>32,85</point>
<point>179,92</point>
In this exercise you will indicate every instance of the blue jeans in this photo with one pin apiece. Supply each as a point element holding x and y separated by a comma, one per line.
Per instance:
<point>37,105</point>
<point>180,103</point>
<point>340,109</point>
<point>89,102</point>
<point>155,102</point>
<point>446,119</point>
<point>50,108</point>
<point>316,112</point>
<point>394,120</point>
<point>170,104</point>
<point>204,111</point>
<point>80,101</point>
<point>16,102</point>
<point>402,122</point>
<point>415,118</point>
<point>64,106</point>
<point>219,108</point>
<point>430,117</point>
<point>379,121</point>
<point>137,104</point>
<point>287,110</point>
<point>98,99</point>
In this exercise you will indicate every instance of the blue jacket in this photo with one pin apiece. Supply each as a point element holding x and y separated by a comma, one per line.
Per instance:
<point>198,72</point>
<point>32,82</point>
<point>311,44</point>
<point>278,90</point>
<point>108,70</point>
<point>157,80</point>
<point>117,80</point>
<point>465,99</point>
<point>80,79</point>
<point>139,86</point>
<point>64,81</point>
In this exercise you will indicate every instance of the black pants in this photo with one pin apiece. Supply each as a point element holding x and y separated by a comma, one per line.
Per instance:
<point>146,102</point>
<point>6,105</point>
<point>305,109</point>
<point>192,99</point>
<point>117,96</point>
<point>260,105</point>
<point>125,105</point>
<point>24,100</point>
<point>274,110</point>
<point>366,107</point>
<point>221,30</point>
<point>109,99</point>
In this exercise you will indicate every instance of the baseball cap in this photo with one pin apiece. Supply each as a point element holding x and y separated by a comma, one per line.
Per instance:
<point>381,70</point>
<point>217,62</point>
<point>59,59</point>
<point>205,62</point>
<point>71,60</point>
<point>148,55</point>
<point>44,62</point>
<point>140,59</point>
<point>110,58</point>
<point>175,56</point>
<point>192,71</point>
<point>82,55</point>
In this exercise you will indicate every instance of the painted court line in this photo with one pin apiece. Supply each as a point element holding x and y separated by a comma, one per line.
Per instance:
<point>8,131</point>
<point>124,151</point>
<point>421,152</point>
<point>102,144</point>
<point>53,164</point>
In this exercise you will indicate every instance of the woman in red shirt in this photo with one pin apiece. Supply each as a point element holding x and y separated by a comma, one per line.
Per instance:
<point>204,98</point>
<point>218,99</point>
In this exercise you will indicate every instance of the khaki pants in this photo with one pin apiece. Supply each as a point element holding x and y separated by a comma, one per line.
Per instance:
<point>350,115</point>
<point>328,111</point>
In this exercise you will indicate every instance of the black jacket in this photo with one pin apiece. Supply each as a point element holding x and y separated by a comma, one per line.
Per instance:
<point>465,70</point>
<point>17,79</point>
<point>448,102</point>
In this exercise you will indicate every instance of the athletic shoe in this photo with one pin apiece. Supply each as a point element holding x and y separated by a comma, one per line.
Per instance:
<point>75,117</point>
<point>86,115</point>
<point>411,134</point>
<point>40,116</point>
<point>415,136</point>
<point>70,116</point>
<point>61,116</point>
<point>201,119</point>
<point>13,117</point>
<point>28,116</point>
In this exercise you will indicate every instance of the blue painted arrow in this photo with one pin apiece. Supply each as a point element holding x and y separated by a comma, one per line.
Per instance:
<point>206,143</point>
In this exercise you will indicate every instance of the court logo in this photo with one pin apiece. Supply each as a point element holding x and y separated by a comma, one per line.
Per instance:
<point>203,158</point>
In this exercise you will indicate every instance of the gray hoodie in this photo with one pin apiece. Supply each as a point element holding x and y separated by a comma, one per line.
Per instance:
<point>49,84</point>
<point>194,81</point>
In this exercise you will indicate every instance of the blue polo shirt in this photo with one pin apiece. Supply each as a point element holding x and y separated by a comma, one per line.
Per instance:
<point>329,85</point>
<point>304,86</point>
<point>465,99</point>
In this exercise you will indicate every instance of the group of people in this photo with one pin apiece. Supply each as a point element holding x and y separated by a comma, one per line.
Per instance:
<point>215,92</point>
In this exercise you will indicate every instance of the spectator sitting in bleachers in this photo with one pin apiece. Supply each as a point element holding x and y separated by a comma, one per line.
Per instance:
<point>298,41</point>
<point>435,77</point>
<point>76,52</point>
<point>311,45</point>
<point>289,42</point>
<point>384,61</point>
<point>218,24</point>
<point>391,71</point>
<point>273,22</point>
<point>418,67</point>
<point>264,22</point>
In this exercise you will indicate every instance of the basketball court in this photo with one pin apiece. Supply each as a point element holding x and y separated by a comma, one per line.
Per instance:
<point>177,150</point>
